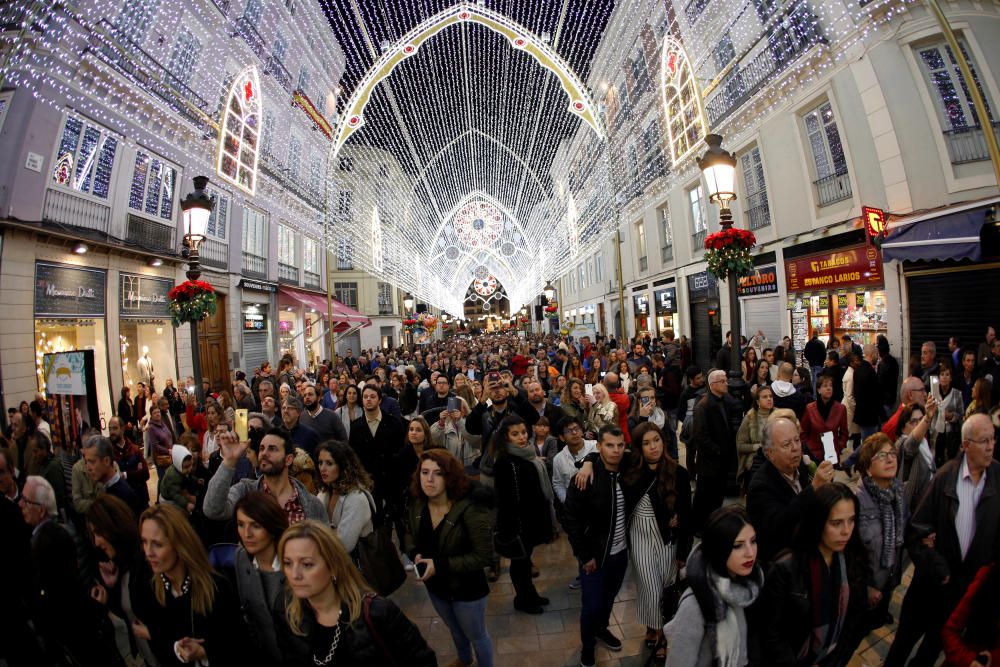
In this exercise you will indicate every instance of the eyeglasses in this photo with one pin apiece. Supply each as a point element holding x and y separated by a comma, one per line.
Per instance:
<point>984,441</point>
<point>884,456</point>
<point>573,429</point>
<point>28,501</point>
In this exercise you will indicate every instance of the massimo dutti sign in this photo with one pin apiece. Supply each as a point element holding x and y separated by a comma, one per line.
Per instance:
<point>69,291</point>
<point>144,296</point>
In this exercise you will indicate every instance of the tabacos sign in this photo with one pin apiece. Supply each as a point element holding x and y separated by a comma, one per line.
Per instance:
<point>762,281</point>
<point>858,265</point>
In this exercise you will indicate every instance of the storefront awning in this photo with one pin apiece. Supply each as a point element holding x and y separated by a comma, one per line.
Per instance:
<point>342,317</point>
<point>950,235</point>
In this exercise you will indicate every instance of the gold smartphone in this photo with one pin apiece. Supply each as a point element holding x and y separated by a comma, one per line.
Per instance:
<point>241,424</point>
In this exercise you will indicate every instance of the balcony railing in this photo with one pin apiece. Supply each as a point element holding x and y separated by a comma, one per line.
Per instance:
<point>643,263</point>
<point>223,6</point>
<point>312,280</point>
<point>288,274</point>
<point>279,72</point>
<point>834,188</point>
<point>142,69</point>
<point>698,240</point>
<point>150,234</point>
<point>385,309</point>
<point>69,209</point>
<point>667,253</point>
<point>248,31</point>
<point>214,252</point>
<point>344,264</point>
<point>758,212</point>
<point>254,266</point>
<point>792,35</point>
<point>968,144</point>
<point>291,182</point>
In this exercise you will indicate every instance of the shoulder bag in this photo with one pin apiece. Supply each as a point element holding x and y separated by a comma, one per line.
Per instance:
<point>376,555</point>
<point>512,547</point>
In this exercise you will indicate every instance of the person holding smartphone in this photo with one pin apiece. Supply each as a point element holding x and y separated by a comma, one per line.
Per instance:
<point>449,539</point>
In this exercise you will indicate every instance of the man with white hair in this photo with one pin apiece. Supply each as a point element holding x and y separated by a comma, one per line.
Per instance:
<point>714,441</point>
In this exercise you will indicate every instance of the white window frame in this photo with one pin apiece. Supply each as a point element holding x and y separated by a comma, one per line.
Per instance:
<point>254,231</point>
<point>752,187</point>
<point>599,266</point>
<point>640,244</point>
<point>294,162</point>
<point>223,200</point>
<point>105,134</point>
<point>310,254</point>
<point>827,150</point>
<point>956,79</point>
<point>165,164</point>
<point>185,55</point>
<point>697,208</point>
<point>663,222</point>
<point>286,245</point>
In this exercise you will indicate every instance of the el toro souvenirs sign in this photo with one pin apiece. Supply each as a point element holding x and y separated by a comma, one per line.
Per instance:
<point>857,265</point>
<point>762,281</point>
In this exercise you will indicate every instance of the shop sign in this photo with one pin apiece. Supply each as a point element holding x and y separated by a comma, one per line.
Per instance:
<point>876,225</point>
<point>824,302</point>
<point>666,301</point>
<point>763,281</point>
<point>641,304</point>
<point>859,300</point>
<point>144,296</point>
<point>254,322</point>
<point>841,301</point>
<point>284,326</point>
<point>65,373</point>
<point>703,284</point>
<point>258,286</point>
<point>858,265</point>
<point>62,291</point>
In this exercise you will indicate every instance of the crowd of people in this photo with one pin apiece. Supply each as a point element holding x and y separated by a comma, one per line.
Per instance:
<point>287,507</point>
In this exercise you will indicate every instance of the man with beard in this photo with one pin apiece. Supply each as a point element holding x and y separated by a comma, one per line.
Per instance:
<point>131,463</point>
<point>98,455</point>
<point>274,458</point>
<point>536,406</point>
<point>325,422</point>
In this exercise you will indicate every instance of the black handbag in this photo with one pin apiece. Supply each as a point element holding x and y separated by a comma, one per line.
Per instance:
<point>377,557</point>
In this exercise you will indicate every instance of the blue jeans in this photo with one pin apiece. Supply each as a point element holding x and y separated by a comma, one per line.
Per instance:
<point>598,591</point>
<point>467,623</point>
<point>816,370</point>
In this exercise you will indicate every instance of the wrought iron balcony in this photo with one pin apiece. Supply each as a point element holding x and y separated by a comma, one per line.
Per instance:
<point>276,69</point>
<point>834,188</point>
<point>698,240</point>
<point>758,211</point>
<point>248,31</point>
<point>288,274</point>
<point>968,144</point>
<point>313,280</point>
<point>254,266</point>
<point>215,253</point>
<point>667,253</point>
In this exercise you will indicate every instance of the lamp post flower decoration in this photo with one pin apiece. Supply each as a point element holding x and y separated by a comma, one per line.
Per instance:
<point>192,301</point>
<point>551,311</point>
<point>728,253</point>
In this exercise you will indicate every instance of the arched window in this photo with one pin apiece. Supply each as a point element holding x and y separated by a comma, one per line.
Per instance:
<point>239,132</point>
<point>686,125</point>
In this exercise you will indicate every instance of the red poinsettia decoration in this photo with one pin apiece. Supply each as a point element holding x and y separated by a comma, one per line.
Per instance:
<point>728,253</point>
<point>192,301</point>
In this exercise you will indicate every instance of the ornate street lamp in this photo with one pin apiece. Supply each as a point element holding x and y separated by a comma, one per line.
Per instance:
<point>549,290</point>
<point>197,207</point>
<point>408,301</point>
<point>718,166</point>
<point>408,312</point>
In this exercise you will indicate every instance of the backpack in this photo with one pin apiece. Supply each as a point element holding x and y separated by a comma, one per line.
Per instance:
<point>687,428</point>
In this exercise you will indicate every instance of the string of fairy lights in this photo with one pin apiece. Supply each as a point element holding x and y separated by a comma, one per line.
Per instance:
<point>470,161</point>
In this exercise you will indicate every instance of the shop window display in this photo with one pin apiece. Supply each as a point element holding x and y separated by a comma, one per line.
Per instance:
<point>861,314</point>
<point>147,351</point>
<point>64,335</point>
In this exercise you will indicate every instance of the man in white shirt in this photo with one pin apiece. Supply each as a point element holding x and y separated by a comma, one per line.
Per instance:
<point>570,432</point>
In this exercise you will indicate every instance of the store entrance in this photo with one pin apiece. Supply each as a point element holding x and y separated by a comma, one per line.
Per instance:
<point>213,347</point>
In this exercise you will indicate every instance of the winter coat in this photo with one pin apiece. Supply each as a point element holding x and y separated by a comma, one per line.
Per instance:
<point>775,509</point>
<point>748,441</point>
<point>358,645</point>
<point>590,514</point>
<point>620,399</point>
<point>787,395</point>
<point>867,396</point>
<point>222,495</point>
<point>602,414</point>
<point>913,471</point>
<point>256,606</point>
<point>464,546</point>
<point>870,531</point>
<point>522,508</point>
<point>172,486</point>
<point>813,427</point>
<point>957,651</point>
<point>713,437</point>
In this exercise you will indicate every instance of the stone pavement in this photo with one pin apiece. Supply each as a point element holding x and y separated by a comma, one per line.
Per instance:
<point>553,638</point>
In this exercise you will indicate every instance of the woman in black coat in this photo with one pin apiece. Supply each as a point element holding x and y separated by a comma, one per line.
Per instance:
<point>815,593</point>
<point>525,515</point>
<point>329,617</point>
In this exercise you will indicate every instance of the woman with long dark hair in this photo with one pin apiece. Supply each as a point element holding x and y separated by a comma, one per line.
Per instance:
<point>658,504</point>
<point>815,590</point>
<point>345,491</point>
<point>125,410</point>
<point>189,614</point>
<point>725,579</point>
<point>448,537</point>
<point>750,363</point>
<point>329,617</point>
<point>350,406</point>
<point>761,376</point>
<point>525,515</point>
<point>260,582</point>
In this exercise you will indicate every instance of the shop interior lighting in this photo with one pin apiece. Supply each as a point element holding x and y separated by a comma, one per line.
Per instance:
<point>80,248</point>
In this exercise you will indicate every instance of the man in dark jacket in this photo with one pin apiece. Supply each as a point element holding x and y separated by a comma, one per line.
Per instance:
<point>954,532</point>
<point>536,406</point>
<point>867,393</point>
<point>786,394</point>
<point>302,436</point>
<point>596,522</point>
<point>815,354</point>
<point>714,442</point>
<point>378,439</point>
<point>887,369</point>
<point>780,489</point>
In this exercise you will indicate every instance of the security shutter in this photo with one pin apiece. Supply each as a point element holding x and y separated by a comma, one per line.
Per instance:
<point>254,350</point>
<point>960,303</point>
<point>764,315</point>
<point>353,341</point>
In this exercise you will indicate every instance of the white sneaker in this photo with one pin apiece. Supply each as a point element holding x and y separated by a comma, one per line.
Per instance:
<point>407,563</point>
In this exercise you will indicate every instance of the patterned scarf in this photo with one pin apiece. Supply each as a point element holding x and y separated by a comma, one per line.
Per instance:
<point>890,509</point>
<point>829,594</point>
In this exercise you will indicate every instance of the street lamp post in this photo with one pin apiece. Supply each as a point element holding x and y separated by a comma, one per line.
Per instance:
<point>719,169</point>
<point>197,207</point>
<point>408,309</point>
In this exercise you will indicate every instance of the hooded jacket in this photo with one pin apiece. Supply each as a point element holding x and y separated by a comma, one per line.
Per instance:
<point>171,488</point>
<point>786,395</point>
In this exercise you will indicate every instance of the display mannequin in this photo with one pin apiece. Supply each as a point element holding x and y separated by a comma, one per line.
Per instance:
<point>145,365</point>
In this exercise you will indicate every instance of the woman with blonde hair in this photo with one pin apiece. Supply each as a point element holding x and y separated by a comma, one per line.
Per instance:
<point>188,613</point>
<point>603,412</point>
<point>330,617</point>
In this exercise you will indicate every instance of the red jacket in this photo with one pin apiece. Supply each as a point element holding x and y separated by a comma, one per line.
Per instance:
<point>813,427</point>
<point>519,365</point>
<point>891,427</point>
<point>620,398</point>
<point>957,653</point>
